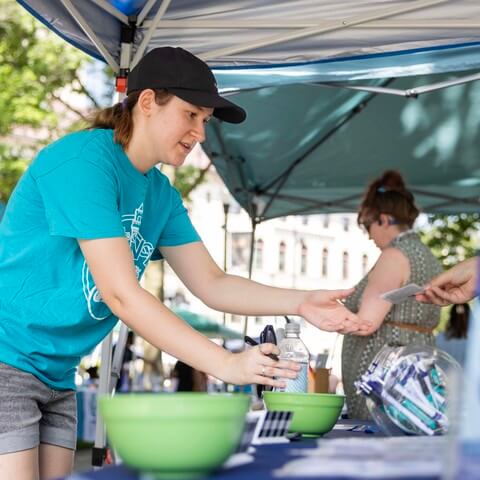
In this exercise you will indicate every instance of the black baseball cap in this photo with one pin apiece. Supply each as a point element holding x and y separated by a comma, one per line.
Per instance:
<point>186,76</point>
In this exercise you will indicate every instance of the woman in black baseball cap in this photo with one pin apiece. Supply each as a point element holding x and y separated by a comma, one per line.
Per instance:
<point>81,226</point>
<point>187,77</point>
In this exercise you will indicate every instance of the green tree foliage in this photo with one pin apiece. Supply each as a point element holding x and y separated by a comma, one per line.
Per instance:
<point>35,68</point>
<point>187,178</point>
<point>452,238</point>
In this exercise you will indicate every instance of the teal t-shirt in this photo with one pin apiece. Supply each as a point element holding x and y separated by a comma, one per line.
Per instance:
<point>81,187</point>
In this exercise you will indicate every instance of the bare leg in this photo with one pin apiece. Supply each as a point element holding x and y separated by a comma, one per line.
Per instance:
<point>55,461</point>
<point>21,465</point>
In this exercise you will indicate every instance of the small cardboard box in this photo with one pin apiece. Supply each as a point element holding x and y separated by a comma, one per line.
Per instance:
<point>321,380</point>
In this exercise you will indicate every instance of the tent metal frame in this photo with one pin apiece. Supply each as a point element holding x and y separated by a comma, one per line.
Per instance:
<point>291,25</point>
<point>302,30</point>
<point>409,92</point>
<point>280,180</point>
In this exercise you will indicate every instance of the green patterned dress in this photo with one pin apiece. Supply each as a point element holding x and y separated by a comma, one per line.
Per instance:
<point>358,352</point>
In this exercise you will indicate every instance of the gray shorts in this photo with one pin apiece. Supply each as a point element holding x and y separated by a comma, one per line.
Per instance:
<point>32,413</point>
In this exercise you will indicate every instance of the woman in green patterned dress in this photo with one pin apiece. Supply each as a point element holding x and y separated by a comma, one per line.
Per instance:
<point>387,213</point>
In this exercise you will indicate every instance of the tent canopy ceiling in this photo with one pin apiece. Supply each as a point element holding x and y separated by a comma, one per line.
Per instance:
<point>304,148</point>
<point>296,41</point>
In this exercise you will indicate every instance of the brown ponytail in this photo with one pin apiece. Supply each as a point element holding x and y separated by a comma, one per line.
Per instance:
<point>388,195</point>
<point>120,117</point>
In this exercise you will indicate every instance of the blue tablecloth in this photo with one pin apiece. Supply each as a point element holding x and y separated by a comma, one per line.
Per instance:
<point>271,457</point>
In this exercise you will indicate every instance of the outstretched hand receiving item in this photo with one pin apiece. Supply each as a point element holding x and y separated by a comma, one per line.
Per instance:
<point>325,310</point>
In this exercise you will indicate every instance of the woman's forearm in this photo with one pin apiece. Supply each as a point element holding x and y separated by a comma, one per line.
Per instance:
<point>145,314</point>
<point>229,293</point>
<point>238,295</point>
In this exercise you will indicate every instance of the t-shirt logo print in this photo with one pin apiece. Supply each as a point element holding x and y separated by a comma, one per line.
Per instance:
<point>142,251</point>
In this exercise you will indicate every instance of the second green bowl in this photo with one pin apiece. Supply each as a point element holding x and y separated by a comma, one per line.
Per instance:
<point>313,413</point>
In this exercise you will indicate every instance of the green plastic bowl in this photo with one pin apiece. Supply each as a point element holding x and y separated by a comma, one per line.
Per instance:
<point>178,435</point>
<point>313,413</point>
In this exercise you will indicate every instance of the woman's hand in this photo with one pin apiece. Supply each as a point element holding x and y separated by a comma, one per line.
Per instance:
<point>324,309</point>
<point>255,366</point>
<point>456,285</point>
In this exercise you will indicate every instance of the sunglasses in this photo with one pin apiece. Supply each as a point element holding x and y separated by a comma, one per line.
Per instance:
<point>366,224</point>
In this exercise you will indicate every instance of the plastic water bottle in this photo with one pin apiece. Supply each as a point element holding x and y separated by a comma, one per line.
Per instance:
<point>293,349</point>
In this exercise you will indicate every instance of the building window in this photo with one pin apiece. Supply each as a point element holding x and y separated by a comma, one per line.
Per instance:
<point>345,224</point>
<point>364,264</point>
<point>305,220</point>
<point>345,266</point>
<point>281,256</point>
<point>208,196</point>
<point>326,221</point>
<point>240,250</point>
<point>258,320</point>
<point>325,262</point>
<point>303,259</point>
<point>237,319</point>
<point>259,254</point>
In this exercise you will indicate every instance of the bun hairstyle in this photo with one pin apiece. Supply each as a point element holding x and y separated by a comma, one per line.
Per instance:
<point>388,195</point>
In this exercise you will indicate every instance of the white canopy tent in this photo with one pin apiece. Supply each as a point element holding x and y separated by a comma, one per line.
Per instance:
<point>251,44</point>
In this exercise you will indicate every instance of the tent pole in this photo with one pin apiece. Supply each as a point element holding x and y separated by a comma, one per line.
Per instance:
<point>90,34</point>
<point>146,40</point>
<point>145,10</point>
<point>300,24</point>
<point>409,92</point>
<point>99,450</point>
<point>111,10</point>
<point>283,177</point>
<point>437,86</point>
<point>364,88</point>
<point>226,208</point>
<point>448,198</point>
<point>311,203</point>
<point>250,260</point>
<point>110,368</point>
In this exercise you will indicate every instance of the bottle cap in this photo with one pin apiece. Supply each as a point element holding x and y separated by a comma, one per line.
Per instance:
<point>292,327</point>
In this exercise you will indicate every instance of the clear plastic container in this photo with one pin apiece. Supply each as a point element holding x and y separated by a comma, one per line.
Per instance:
<point>406,389</point>
<point>292,348</point>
